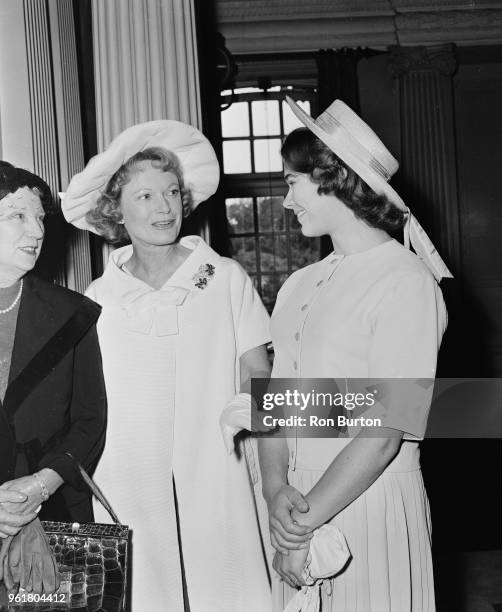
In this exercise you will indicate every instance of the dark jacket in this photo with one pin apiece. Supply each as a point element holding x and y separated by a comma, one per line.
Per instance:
<point>55,402</point>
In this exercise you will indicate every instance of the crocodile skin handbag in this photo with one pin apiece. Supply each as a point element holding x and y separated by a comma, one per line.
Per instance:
<point>92,561</point>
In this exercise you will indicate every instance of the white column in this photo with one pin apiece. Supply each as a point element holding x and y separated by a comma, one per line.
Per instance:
<point>40,127</point>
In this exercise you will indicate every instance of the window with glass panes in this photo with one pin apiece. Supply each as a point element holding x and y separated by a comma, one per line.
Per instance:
<point>266,239</point>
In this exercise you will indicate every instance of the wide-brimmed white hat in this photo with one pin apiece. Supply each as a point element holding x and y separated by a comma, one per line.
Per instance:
<point>198,161</point>
<point>357,145</point>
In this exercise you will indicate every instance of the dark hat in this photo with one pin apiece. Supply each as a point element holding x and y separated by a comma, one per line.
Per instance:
<point>12,179</point>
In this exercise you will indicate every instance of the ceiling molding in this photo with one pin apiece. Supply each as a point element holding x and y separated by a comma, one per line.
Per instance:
<point>439,6</point>
<point>286,26</point>
<point>230,11</point>
<point>462,27</point>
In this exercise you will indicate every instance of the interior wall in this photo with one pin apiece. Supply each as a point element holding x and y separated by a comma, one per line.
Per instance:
<point>15,131</point>
<point>472,345</point>
<point>477,295</point>
<point>478,104</point>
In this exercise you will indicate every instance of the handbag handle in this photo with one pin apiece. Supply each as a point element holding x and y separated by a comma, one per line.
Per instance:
<point>96,491</point>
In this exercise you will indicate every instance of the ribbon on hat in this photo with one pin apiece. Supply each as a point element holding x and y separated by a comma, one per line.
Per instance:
<point>328,555</point>
<point>146,309</point>
<point>423,247</point>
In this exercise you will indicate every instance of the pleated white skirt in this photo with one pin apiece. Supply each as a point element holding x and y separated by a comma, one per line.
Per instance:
<point>388,532</point>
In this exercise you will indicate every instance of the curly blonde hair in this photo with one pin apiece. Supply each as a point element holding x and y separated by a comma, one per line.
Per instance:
<point>106,217</point>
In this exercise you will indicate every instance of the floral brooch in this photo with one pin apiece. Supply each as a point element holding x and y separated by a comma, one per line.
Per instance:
<point>203,276</point>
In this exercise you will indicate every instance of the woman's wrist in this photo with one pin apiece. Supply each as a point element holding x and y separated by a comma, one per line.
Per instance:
<point>44,491</point>
<point>48,479</point>
<point>305,518</point>
<point>271,488</point>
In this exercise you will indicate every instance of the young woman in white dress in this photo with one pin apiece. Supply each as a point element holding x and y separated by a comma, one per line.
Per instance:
<point>182,332</point>
<point>371,309</point>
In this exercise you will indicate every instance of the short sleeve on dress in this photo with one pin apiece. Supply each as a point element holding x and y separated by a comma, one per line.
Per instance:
<point>408,325</point>
<point>251,317</point>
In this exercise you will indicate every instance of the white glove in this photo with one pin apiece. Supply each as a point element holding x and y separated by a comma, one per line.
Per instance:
<point>235,417</point>
<point>328,555</point>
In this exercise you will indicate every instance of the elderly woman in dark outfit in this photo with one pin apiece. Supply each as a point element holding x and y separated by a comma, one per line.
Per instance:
<point>53,402</point>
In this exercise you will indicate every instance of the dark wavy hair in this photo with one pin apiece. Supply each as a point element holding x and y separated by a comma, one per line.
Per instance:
<point>106,216</point>
<point>12,179</point>
<point>305,153</point>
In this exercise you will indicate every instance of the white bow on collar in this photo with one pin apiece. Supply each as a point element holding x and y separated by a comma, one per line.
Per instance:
<point>148,309</point>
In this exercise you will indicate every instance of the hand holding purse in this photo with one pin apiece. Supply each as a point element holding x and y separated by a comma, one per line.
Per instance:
<point>92,563</point>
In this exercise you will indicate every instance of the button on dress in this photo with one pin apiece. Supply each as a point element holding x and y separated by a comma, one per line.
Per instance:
<point>375,314</point>
<point>171,363</point>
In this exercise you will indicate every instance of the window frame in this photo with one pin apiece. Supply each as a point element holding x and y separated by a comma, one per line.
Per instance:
<point>264,184</point>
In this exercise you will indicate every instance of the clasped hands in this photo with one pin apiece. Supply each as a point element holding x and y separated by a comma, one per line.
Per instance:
<point>19,499</point>
<point>290,539</point>
<point>25,556</point>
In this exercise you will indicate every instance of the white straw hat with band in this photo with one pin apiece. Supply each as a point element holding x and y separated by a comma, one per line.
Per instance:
<point>199,165</point>
<point>357,145</point>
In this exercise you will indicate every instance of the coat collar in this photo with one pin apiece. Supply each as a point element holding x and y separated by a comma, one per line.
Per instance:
<point>148,310</point>
<point>44,309</point>
<point>183,277</point>
<point>202,255</point>
<point>36,324</point>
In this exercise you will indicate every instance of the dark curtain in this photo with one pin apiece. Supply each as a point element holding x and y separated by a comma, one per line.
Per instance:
<point>82,15</point>
<point>337,77</point>
<point>211,60</point>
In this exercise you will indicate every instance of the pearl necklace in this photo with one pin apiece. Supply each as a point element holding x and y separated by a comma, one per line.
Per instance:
<point>13,305</point>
